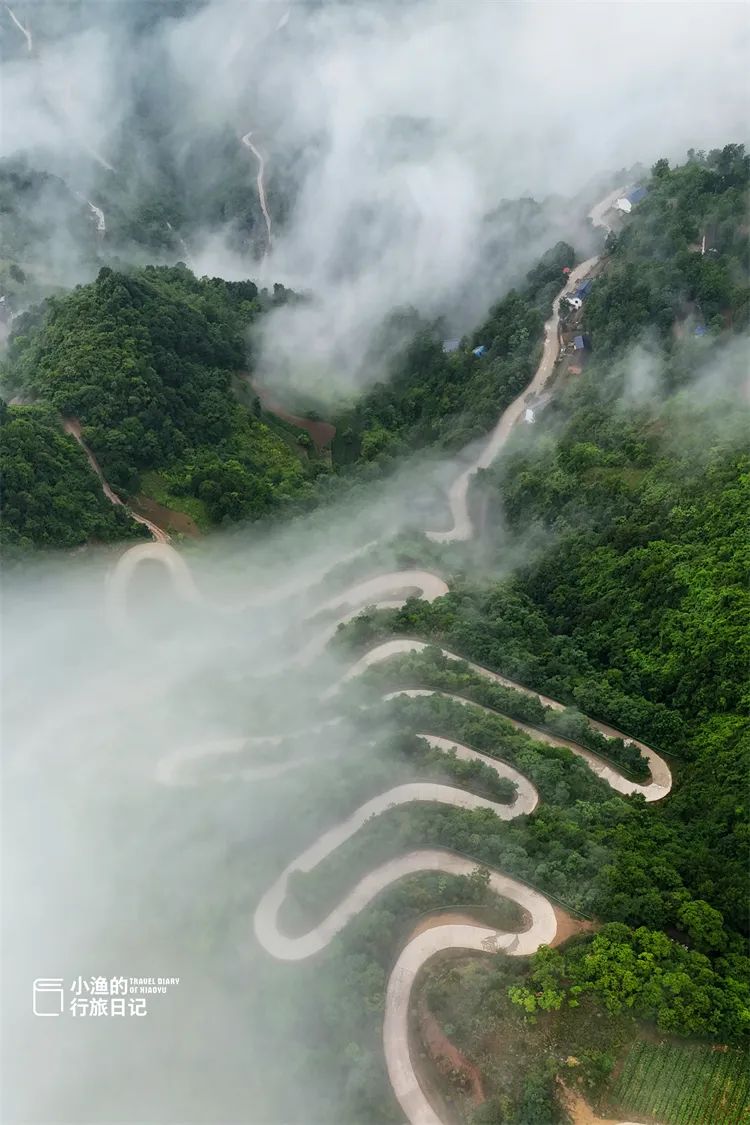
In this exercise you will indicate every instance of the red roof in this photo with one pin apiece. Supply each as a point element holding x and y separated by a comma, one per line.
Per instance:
<point>566,269</point>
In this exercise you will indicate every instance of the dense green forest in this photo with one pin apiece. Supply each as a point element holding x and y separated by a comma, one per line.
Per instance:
<point>145,360</point>
<point>626,503</point>
<point>148,360</point>
<point>661,270</point>
<point>207,778</point>
<point>656,278</point>
<point>447,399</point>
<point>634,610</point>
<point>51,498</point>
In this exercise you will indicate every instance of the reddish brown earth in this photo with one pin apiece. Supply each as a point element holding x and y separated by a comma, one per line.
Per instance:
<point>450,1061</point>
<point>458,919</point>
<point>73,427</point>
<point>448,919</point>
<point>321,433</point>
<point>179,522</point>
<point>579,1111</point>
<point>446,1056</point>
<point>568,926</point>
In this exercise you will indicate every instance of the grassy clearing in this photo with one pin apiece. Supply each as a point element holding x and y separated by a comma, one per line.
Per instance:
<point>155,486</point>
<point>288,433</point>
<point>690,1084</point>
<point>630,477</point>
<point>613,1062</point>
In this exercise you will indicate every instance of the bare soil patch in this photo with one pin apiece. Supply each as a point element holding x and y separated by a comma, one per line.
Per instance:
<point>449,1061</point>
<point>433,920</point>
<point>321,433</point>
<point>579,1111</point>
<point>568,926</point>
<point>178,522</point>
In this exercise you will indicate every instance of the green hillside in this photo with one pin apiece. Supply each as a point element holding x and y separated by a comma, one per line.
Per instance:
<point>50,496</point>
<point>145,361</point>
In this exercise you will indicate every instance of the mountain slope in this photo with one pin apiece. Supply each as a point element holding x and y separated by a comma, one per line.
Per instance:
<point>145,361</point>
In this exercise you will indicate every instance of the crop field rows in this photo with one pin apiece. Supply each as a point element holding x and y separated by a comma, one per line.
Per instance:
<point>685,1085</point>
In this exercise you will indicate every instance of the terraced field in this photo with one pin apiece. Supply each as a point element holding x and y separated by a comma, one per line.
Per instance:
<point>684,1084</point>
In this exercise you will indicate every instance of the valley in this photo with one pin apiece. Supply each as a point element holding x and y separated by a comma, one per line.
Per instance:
<point>374,548</point>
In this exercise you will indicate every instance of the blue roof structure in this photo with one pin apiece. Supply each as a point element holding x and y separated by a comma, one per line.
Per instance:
<point>479,351</point>
<point>578,343</point>
<point>637,194</point>
<point>584,288</point>
<point>700,330</point>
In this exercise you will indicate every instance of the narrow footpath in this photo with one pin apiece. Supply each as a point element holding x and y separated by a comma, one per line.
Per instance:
<point>73,427</point>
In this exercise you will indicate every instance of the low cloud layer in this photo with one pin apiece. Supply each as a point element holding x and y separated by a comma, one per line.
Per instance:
<point>110,867</point>
<point>115,864</point>
<point>390,134</point>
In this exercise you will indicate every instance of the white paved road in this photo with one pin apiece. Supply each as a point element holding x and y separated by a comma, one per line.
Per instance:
<point>391,589</point>
<point>458,493</point>
<point>260,184</point>
<point>661,776</point>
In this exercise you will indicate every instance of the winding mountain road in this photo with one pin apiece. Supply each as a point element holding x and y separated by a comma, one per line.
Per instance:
<point>261,186</point>
<point>458,494</point>
<point>25,31</point>
<point>73,427</point>
<point>391,589</point>
<point>661,776</point>
<point>98,214</point>
<point>186,588</point>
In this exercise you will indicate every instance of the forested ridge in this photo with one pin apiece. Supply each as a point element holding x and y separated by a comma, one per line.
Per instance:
<point>51,498</point>
<point>447,399</point>
<point>635,610</point>
<point>145,360</point>
<point>685,253</point>
<point>627,503</point>
<point>148,361</point>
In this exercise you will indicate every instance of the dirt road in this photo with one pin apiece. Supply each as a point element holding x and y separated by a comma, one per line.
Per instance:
<point>25,31</point>
<point>73,426</point>
<point>101,224</point>
<point>261,186</point>
<point>541,915</point>
<point>321,433</point>
<point>458,493</point>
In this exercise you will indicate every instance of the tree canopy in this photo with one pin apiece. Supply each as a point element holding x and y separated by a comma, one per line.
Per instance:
<point>145,361</point>
<point>50,496</point>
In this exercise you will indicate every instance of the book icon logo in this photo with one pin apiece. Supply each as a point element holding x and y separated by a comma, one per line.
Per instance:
<point>48,996</point>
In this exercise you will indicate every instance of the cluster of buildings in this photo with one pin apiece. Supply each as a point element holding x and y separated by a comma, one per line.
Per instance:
<point>573,344</point>
<point>626,203</point>
<point>453,346</point>
<point>575,300</point>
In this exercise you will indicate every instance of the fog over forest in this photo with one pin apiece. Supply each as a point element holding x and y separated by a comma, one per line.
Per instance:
<point>396,140</point>
<point>391,131</point>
